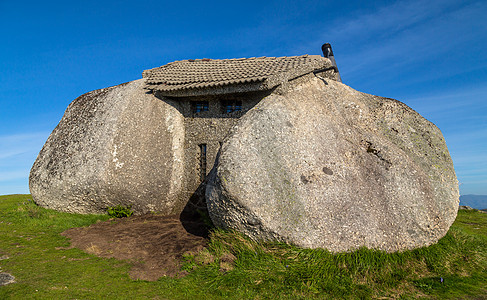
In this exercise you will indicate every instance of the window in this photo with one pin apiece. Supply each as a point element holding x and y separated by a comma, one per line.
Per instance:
<point>202,162</point>
<point>230,106</point>
<point>199,106</point>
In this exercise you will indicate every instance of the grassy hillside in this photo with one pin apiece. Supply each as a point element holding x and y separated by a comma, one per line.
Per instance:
<point>233,267</point>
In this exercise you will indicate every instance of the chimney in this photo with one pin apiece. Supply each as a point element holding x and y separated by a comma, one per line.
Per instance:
<point>328,53</point>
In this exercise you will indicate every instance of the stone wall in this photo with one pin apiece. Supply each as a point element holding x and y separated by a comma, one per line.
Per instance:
<point>208,128</point>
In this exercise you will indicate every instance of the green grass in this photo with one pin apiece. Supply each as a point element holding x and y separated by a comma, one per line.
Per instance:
<point>45,269</point>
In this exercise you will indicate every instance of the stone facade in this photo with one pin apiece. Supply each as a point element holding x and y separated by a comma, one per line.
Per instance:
<point>204,132</point>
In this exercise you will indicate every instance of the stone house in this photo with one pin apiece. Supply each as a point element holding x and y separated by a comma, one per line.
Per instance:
<point>213,94</point>
<point>295,155</point>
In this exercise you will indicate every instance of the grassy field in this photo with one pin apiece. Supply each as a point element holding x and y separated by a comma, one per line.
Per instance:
<point>232,267</point>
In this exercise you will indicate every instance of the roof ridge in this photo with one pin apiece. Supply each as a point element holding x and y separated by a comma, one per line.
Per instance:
<point>235,59</point>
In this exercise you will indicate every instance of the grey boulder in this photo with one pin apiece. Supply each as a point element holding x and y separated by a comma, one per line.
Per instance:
<point>114,146</point>
<point>322,165</point>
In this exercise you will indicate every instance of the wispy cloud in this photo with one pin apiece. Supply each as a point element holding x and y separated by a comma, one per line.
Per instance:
<point>404,33</point>
<point>6,140</point>
<point>468,96</point>
<point>468,150</point>
<point>17,154</point>
<point>15,148</point>
<point>14,175</point>
<point>461,113</point>
<point>387,20</point>
<point>451,100</point>
<point>477,135</point>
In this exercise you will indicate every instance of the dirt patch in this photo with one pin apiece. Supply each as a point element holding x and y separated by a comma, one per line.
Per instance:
<point>153,244</point>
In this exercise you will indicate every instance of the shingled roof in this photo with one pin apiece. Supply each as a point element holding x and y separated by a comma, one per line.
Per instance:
<point>220,76</point>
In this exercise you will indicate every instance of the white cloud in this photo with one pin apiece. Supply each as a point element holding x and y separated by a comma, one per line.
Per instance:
<point>476,136</point>
<point>17,154</point>
<point>22,137</point>
<point>13,175</point>
<point>452,99</point>
<point>404,34</point>
<point>17,144</point>
<point>393,18</point>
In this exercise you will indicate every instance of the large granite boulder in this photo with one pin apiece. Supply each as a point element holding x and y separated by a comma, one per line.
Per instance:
<point>323,165</point>
<point>118,145</point>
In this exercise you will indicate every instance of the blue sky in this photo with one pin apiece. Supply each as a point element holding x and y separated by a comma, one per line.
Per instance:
<point>431,55</point>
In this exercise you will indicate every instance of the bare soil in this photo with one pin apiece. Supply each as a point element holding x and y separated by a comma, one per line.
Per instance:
<point>153,244</point>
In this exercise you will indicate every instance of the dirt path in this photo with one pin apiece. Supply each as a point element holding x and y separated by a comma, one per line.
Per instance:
<point>153,244</point>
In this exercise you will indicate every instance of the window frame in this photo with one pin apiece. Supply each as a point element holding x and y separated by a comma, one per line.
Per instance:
<point>231,106</point>
<point>198,107</point>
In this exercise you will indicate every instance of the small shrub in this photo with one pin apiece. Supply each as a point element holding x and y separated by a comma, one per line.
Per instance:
<point>120,211</point>
<point>31,209</point>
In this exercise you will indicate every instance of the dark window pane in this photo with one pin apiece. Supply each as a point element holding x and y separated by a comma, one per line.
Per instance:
<point>200,106</point>
<point>238,105</point>
<point>232,105</point>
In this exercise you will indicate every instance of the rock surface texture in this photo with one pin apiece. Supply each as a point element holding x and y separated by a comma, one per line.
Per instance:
<point>118,145</point>
<point>322,165</point>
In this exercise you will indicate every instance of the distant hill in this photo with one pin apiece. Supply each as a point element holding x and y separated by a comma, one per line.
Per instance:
<point>474,201</point>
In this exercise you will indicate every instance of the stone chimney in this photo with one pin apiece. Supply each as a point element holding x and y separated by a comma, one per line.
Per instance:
<point>328,53</point>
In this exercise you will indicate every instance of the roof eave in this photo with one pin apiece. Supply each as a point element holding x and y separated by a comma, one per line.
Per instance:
<point>214,90</point>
